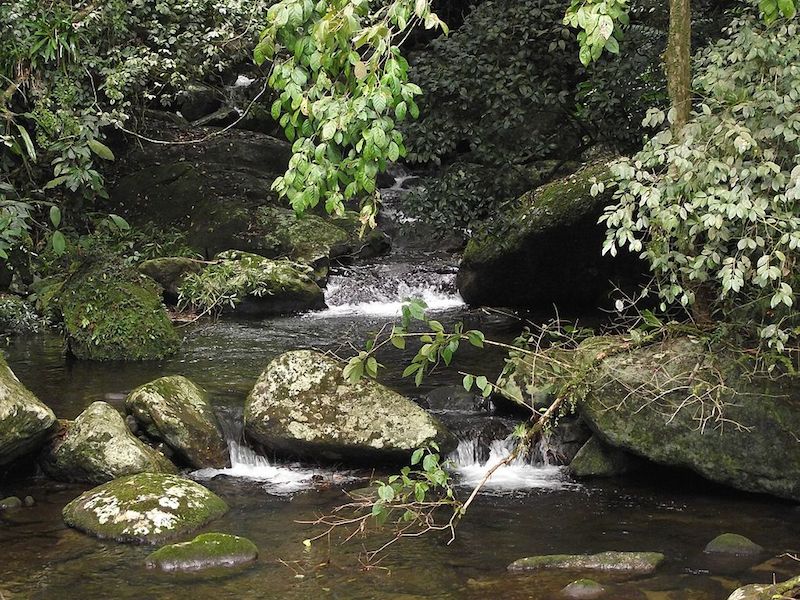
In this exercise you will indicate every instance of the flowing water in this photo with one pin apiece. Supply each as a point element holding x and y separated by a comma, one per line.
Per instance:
<point>526,509</point>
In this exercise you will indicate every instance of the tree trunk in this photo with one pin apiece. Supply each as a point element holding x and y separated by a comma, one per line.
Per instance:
<point>677,61</point>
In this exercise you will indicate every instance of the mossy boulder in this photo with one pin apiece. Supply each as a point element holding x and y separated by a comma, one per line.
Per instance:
<point>257,286</point>
<point>98,447</point>
<point>546,250</point>
<point>596,459</point>
<point>583,589</point>
<point>699,409</point>
<point>733,544</point>
<point>25,422</point>
<point>145,508</point>
<point>302,406</point>
<point>176,411</point>
<point>113,312</point>
<point>209,550</point>
<point>627,562</point>
<point>786,589</point>
<point>168,272</point>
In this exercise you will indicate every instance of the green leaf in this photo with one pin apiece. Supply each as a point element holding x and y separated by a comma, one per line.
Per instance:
<point>412,368</point>
<point>417,456</point>
<point>469,381</point>
<point>26,138</point>
<point>476,338</point>
<point>119,222</point>
<point>55,216</point>
<point>59,243</point>
<point>101,150</point>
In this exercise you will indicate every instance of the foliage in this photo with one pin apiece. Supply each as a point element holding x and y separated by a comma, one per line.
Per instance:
<point>343,87</point>
<point>17,316</point>
<point>714,212</point>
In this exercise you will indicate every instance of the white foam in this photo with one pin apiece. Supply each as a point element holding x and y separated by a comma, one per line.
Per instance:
<point>243,81</point>
<point>386,305</point>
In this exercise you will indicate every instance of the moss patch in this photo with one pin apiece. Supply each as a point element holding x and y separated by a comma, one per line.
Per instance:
<point>733,544</point>
<point>629,562</point>
<point>208,550</point>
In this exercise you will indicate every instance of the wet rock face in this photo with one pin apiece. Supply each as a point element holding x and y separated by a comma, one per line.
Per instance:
<point>98,447</point>
<point>177,412</point>
<point>760,455</point>
<point>786,589</point>
<point>302,406</point>
<point>25,422</point>
<point>628,562</point>
<point>206,551</point>
<point>597,459</point>
<point>145,508</point>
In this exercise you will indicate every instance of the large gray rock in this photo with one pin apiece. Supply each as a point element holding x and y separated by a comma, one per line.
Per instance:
<point>144,508</point>
<point>677,404</point>
<point>301,405</point>
<point>176,411</point>
<point>25,422</point>
<point>98,447</point>
<point>786,589</point>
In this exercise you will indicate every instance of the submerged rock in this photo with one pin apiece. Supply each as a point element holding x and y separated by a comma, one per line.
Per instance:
<point>733,544</point>
<point>787,589</point>
<point>98,447</point>
<point>25,422</point>
<point>10,502</point>
<point>144,508</point>
<point>547,250</point>
<point>174,410</point>
<point>208,550</point>
<point>596,459</point>
<point>302,406</point>
<point>674,418</point>
<point>583,589</point>
<point>112,312</point>
<point>628,562</point>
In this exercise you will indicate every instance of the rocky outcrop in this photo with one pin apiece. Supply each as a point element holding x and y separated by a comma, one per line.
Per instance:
<point>145,508</point>
<point>112,312</point>
<point>627,562</point>
<point>206,551</point>
<point>98,447</point>
<point>786,589</point>
<point>302,406</point>
<point>25,422</point>
<point>678,404</point>
<point>547,250</point>
<point>177,412</point>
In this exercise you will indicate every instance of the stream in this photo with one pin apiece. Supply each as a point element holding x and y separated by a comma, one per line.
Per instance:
<point>527,509</point>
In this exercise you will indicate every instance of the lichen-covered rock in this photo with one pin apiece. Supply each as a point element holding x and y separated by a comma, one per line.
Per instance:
<point>733,544</point>
<point>786,589</point>
<point>168,272</point>
<point>583,589</point>
<point>682,391</point>
<point>98,447</point>
<point>301,405</point>
<point>176,411</point>
<point>628,562</point>
<point>209,550</point>
<point>596,459</point>
<point>547,250</point>
<point>112,312</point>
<point>256,286</point>
<point>25,422</point>
<point>144,508</point>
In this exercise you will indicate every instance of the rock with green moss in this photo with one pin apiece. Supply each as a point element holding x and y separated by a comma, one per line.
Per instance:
<point>302,406</point>
<point>624,562</point>
<point>206,551</point>
<point>583,589</point>
<point>113,312</point>
<point>786,589</point>
<point>168,272</point>
<point>253,285</point>
<point>733,544</point>
<point>98,447</point>
<point>146,508</point>
<point>596,459</point>
<point>547,249</point>
<point>25,422</point>
<point>702,410</point>
<point>176,411</point>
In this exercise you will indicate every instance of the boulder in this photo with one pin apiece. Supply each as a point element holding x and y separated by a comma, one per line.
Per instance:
<point>168,272</point>
<point>302,406</point>
<point>625,562</point>
<point>733,544</point>
<point>10,502</point>
<point>208,550</point>
<point>176,411</point>
<point>257,286</point>
<point>547,250</point>
<point>99,447</point>
<point>25,422</point>
<point>678,403</point>
<point>145,508</point>
<point>197,100</point>
<point>596,459</point>
<point>786,589</point>
<point>113,312</point>
<point>583,589</point>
